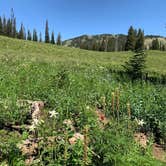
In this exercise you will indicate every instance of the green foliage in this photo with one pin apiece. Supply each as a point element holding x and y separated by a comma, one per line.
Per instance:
<point>131,40</point>
<point>136,65</point>
<point>1,26</point>
<point>40,37</point>
<point>52,38</point>
<point>35,38</point>
<point>140,40</point>
<point>47,36</point>
<point>21,33</point>
<point>29,37</point>
<point>73,82</point>
<point>155,44</point>
<point>58,40</point>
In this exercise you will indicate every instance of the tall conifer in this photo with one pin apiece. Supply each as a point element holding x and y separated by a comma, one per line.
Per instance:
<point>47,37</point>
<point>140,40</point>
<point>1,26</point>
<point>131,40</point>
<point>21,33</point>
<point>29,37</point>
<point>35,38</point>
<point>58,41</point>
<point>52,38</point>
<point>40,37</point>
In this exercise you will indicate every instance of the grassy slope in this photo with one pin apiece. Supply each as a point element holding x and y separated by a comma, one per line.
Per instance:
<point>28,71</point>
<point>40,52</point>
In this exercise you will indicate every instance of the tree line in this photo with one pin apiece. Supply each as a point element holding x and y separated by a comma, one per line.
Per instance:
<point>134,41</point>
<point>8,27</point>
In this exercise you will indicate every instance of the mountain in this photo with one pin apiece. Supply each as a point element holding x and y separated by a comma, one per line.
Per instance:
<point>109,42</point>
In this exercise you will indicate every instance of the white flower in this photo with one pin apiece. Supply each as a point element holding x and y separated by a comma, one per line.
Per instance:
<point>140,122</point>
<point>53,114</point>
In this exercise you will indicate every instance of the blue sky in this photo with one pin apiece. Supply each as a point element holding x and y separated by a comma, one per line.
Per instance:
<point>76,17</point>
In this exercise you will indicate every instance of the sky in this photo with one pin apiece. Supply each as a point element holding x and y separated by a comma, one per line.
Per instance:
<point>77,17</point>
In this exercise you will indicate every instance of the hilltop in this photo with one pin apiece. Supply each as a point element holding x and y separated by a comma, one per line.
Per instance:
<point>115,42</point>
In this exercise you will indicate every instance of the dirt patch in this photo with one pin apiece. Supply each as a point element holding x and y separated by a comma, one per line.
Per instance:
<point>157,150</point>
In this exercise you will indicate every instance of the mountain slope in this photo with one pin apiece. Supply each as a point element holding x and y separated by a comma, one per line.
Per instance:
<point>25,51</point>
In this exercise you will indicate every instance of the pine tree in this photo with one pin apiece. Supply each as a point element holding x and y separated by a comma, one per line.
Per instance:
<point>163,47</point>
<point>21,33</point>
<point>40,37</point>
<point>47,37</point>
<point>4,26</point>
<point>35,38</point>
<point>1,27</point>
<point>140,40</point>
<point>52,38</point>
<point>102,45</point>
<point>9,28</point>
<point>14,30</point>
<point>136,65</point>
<point>29,37</point>
<point>131,39</point>
<point>155,44</point>
<point>58,41</point>
<point>13,24</point>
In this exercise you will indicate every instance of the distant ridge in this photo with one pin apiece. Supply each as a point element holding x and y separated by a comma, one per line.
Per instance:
<point>112,42</point>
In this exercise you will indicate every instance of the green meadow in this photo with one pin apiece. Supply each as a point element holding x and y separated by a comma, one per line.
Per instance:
<point>75,84</point>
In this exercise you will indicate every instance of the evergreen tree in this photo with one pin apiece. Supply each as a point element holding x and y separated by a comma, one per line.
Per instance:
<point>9,28</point>
<point>29,37</point>
<point>4,26</point>
<point>155,44</point>
<point>136,65</point>
<point>58,41</point>
<point>40,37</point>
<point>47,37</point>
<point>102,45</point>
<point>21,33</point>
<point>131,39</point>
<point>13,24</point>
<point>14,30</point>
<point>163,47</point>
<point>52,38</point>
<point>140,40</point>
<point>1,27</point>
<point>35,38</point>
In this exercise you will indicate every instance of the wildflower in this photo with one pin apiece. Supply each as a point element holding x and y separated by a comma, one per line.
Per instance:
<point>140,122</point>
<point>53,114</point>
